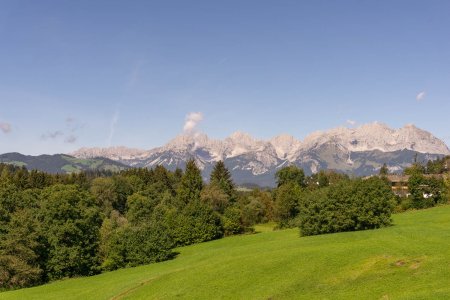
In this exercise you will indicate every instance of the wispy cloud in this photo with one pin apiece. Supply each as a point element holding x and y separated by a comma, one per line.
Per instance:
<point>191,122</point>
<point>71,139</point>
<point>135,74</point>
<point>420,96</point>
<point>52,135</point>
<point>112,126</point>
<point>68,134</point>
<point>5,127</point>
<point>351,122</point>
<point>72,125</point>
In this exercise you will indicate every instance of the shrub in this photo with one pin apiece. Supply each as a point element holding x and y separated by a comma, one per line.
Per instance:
<point>347,206</point>
<point>287,207</point>
<point>196,223</point>
<point>231,221</point>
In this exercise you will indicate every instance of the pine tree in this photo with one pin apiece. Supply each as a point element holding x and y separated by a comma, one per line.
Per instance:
<point>191,183</point>
<point>221,177</point>
<point>384,170</point>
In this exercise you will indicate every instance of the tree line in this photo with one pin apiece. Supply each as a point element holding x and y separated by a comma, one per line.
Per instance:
<point>66,225</point>
<point>58,226</point>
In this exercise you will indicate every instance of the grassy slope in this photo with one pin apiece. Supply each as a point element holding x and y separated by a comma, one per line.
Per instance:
<point>410,260</point>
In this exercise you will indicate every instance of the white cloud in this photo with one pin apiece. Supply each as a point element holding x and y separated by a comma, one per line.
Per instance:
<point>5,127</point>
<point>112,126</point>
<point>420,96</point>
<point>351,122</point>
<point>192,120</point>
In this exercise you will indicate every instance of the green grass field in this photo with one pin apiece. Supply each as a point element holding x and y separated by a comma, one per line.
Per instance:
<point>410,260</point>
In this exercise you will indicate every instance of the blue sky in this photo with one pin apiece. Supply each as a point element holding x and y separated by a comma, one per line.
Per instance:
<point>100,73</point>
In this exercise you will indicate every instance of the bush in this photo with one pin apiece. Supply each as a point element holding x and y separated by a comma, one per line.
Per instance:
<point>287,207</point>
<point>254,212</point>
<point>231,221</point>
<point>404,203</point>
<point>16,272</point>
<point>132,246</point>
<point>347,206</point>
<point>196,223</point>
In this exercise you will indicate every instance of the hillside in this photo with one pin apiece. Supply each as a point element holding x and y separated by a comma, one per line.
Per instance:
<point>61,163</point>
<point>406,261</point>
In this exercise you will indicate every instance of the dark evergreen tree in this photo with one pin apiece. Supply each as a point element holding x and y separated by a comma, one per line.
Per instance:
<point>221,177</point>
<point>191,184</point>
<point>178,174</point>
<point>384,171</point>
<point>163,178</point>
<point>123,188</point>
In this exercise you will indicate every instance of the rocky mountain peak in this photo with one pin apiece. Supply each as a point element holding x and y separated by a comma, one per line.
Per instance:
<point>241,137</point>
<point>240,142</point>
<point>361,150</point>
<point>285,145</point>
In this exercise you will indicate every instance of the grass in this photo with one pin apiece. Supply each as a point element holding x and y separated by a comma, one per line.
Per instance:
<point>266,227</point>
<point>81,161</point>
<point>410,260</point>
<point>70,169</point>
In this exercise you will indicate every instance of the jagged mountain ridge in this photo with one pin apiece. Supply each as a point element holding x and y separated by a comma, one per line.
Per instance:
<point>359,151</point>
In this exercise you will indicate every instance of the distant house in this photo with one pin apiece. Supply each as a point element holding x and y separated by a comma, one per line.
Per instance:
<point>399,183</point>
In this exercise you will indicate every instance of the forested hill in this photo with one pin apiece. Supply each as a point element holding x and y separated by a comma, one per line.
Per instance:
<point>61,163</point>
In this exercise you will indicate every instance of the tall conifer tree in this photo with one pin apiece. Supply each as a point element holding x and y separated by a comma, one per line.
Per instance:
<point>221,177</point>
<point>191,183</point>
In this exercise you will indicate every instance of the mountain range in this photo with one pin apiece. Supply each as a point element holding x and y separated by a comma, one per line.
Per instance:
<point>358,151</point>
<point>61,163</point>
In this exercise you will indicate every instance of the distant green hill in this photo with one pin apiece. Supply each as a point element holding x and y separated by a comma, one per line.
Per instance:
<point>61,163</point>
<point>410,260</point>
